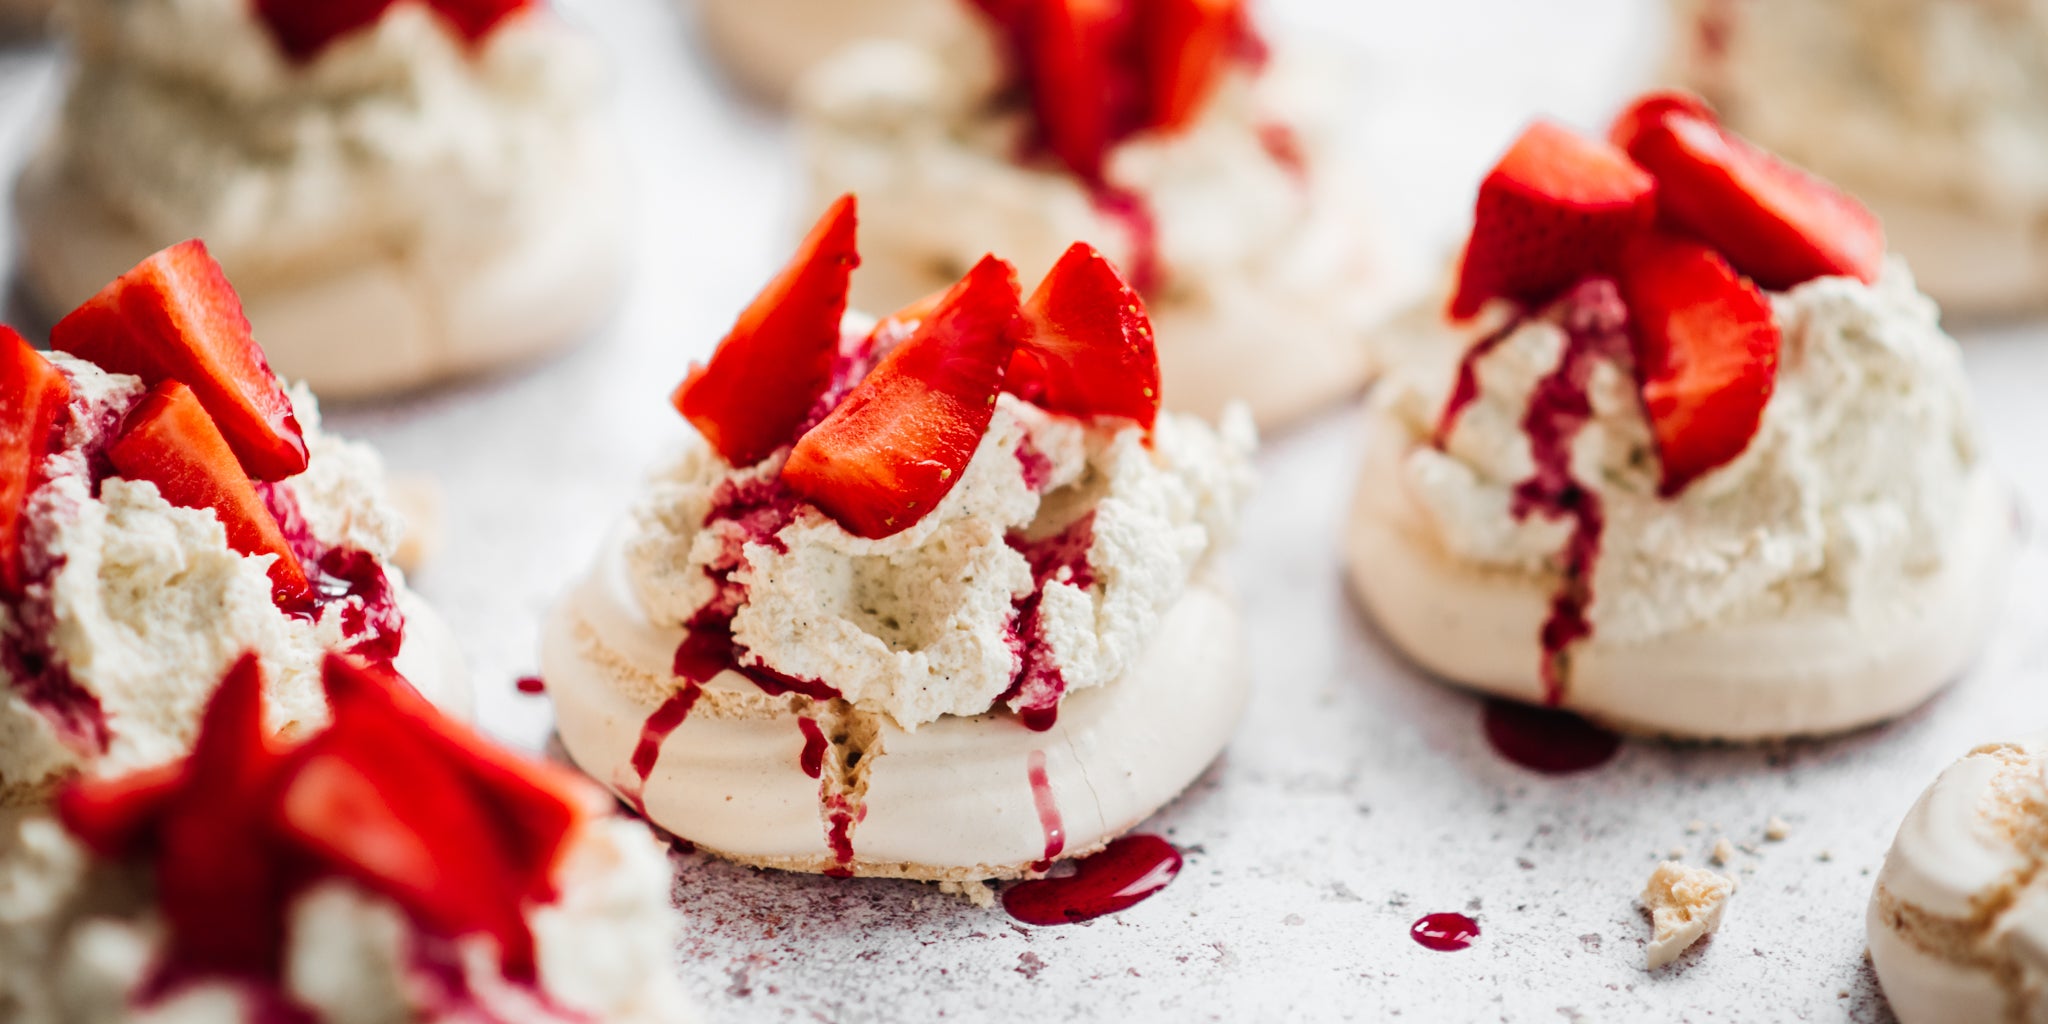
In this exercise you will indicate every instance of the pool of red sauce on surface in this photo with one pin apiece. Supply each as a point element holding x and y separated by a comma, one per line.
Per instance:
<point>1445,933</point>
<point>1124,874</point>
<point>1547,740</point>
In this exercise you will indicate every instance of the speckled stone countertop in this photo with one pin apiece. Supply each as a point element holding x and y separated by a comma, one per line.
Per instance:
<point>1358,795</point>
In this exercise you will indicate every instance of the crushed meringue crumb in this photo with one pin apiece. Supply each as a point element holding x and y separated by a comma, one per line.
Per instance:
<point>1684,904</point>
<point>1724,851</point>
<point>1776,829</point>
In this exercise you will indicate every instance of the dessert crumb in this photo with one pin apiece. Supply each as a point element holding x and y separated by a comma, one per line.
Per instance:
<point>1695,827</point>
<point>1827,855</point>
<point>1684,904</point>
<point>1776,829</point>
<point>1677,853</point>
<point>1724,851</point>
<point>975,892</point>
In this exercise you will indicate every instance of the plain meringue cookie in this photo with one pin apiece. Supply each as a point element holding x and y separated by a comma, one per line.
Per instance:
<point>770,44</point>
<point>121,605</point>
<point>1935,112</point>
<point>1220,195</point>
<point>889,618</point>
<point>1957,916</point>
<point>386,866</point>
<point>1678,502</point>
<point>404,191</point>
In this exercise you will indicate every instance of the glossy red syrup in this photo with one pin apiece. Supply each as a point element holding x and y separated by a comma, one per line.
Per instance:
<point>653,733</point>
<point>1048,810</point>
<point>1124,874</point>
<point>532,686</point>
<point>1283,144</point>
<point>1445,933</point>
<point>1061,558</point>
<point>343,578</point>
<point>813,757</point>
<point>840,817</point>
<point>1465,390</point>
<point>1596,328</point>
<point>1547,740</point>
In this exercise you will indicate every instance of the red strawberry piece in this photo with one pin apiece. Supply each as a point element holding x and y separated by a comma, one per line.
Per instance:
<point>116,817</point>
<point>1187,46</point>
<point>169,441</point>
<point>1557,207</point>
<point>1774,222</point>
<point>175,317</point>
<point>1649,110</point>
<point>219,879</point>
<point>33,394</point>
<point>1085,347</point>
<point>533,806</point>
<point>898,443</point>
<point>1706,353</point>
<point>304,28</point>
<point>766,377</point>
<point>1071,50</point>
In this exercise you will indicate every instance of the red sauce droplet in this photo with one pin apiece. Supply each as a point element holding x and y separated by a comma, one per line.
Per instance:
<point>1283,144</point>
<point>1547,740</point>
<point>1445,933</point>
<point>666,719</point>
<point>1123,875</point>
<point>1048,810</point>
<point>532,685</point>
<point>813,757</point>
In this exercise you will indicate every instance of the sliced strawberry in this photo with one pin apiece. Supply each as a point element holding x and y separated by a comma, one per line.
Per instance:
<point>533,806</point>
<point>1557,207</point>
<point>1085,348</point>
<point>175,317</point>
<point>33,394</point>
<point>1706,352</point>
<point>1071,50</point>
<point>766,376</point>
<point>1649,111</point>
<point>219,879</point>
<point>305,28</point>
<point>1187,45</point>
<point>116,818</point>
<point>169,441</point>
<point>1774,222</point>
<point>896,446</point>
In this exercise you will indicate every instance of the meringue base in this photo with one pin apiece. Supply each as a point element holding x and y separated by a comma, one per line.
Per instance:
<point>389,321</point>
<point>768,45</point>
<point>952,801</point>
<point>1973,264</point>
<point>1802,672</point>
<point>1953,913</point>
<point>431,660</point>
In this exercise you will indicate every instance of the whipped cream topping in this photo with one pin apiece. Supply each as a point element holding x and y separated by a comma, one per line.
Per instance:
<point>80,937</point>
<point>186,119</point>
<point>934,143</point>
<point>139,606</point>
<point>1851,488</point>
<point>1940,99</point>
<point>1044,571</point>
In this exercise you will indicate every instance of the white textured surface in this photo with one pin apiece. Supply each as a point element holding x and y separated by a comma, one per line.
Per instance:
<point>1358,796</point>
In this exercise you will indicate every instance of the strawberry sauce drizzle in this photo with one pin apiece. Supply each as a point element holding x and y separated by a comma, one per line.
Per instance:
<point>653,733</point>
<point>1126,872</point>
<point>1061,558</point>
<point>813,758</point>
<point>1547,740</point>
<point>840,816</point>
<point>1466,389</point>
<point>1596,329</point>
<point>1048,811</point>
<point>1445,933</point>
<point>1132,211</point>
<point>304,30</point>
<point>347,579</point>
